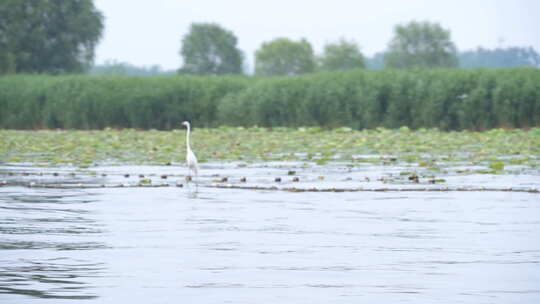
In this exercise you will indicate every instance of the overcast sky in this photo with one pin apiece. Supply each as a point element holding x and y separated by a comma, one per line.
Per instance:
<point>149,32</point>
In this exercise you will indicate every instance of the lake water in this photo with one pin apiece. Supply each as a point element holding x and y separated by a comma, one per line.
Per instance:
<point>172,245</point>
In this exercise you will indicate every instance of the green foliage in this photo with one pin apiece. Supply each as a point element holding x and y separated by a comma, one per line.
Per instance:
<point>492,149</point>
<point>48,36</point>
<point>420,45</point>
<point>209,49</point>
<point>7,62</point>
<point>283,56</point>
<point>88,102</point>
<point>497,166</point>
<point>342,55</point>
<point>499,58</point>
<point>447,99</point>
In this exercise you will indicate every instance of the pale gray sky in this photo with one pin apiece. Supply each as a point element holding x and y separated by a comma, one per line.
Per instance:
<point>148,32</point>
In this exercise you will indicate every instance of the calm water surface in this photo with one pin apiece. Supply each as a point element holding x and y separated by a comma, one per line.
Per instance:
<point>164,245</point>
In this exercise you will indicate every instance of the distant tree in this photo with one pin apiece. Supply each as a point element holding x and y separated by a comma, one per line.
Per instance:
<point>342,55</point>
<point>420,45</point>
<point>499,58</point>
<point>283,56</point>
<point>375,62</point>
<point>48,36</point>
<point>125,69</point>
<point>209,49</point>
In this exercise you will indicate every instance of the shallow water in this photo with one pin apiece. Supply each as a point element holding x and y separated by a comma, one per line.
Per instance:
<point>159,245</point>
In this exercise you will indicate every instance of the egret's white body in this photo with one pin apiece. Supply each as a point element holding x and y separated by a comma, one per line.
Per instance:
<point>191,159</point>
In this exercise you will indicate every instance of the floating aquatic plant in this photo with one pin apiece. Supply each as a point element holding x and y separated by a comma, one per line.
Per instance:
<point>428,149</point>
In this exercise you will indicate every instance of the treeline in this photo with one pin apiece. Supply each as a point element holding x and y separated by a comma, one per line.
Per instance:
<point>116,68</point>
<point>210,49</point>
<point>448,99</point>
<point>508,57</point>
<point>499,58</point>
<point>60,37</point>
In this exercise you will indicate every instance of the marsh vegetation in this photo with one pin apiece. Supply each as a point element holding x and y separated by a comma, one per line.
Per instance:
<point>425,147</point>
<point>443,99</point>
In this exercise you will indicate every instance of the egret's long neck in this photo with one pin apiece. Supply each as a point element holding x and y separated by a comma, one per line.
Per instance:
<point>187,137</point>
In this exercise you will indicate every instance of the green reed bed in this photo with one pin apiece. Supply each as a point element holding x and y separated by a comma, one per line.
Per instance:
<point>446,99</point>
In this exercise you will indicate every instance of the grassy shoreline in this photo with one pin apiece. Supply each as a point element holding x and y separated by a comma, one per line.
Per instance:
<point>427,147</point>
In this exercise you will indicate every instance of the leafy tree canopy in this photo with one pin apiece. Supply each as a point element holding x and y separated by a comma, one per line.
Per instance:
<point>209,49</point>
<point>283,56</point>
<point>420,45</point>
<point>48,36</point>
<point>342,55</point>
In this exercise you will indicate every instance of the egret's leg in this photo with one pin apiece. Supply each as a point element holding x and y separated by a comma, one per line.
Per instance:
<point>188,177</point>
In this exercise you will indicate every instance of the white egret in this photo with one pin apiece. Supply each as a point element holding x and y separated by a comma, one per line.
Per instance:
<point>191,159</point>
